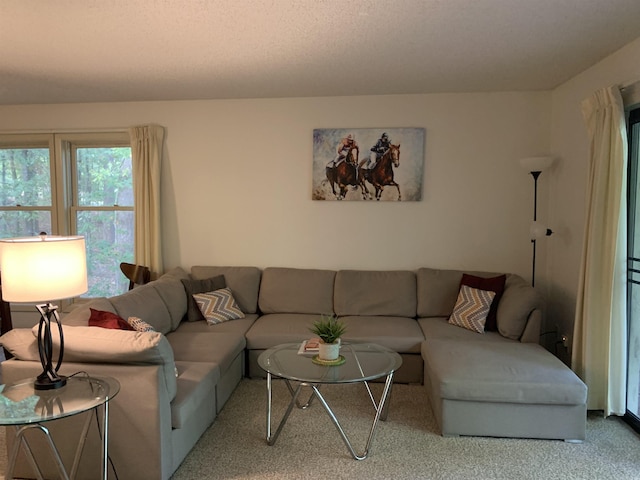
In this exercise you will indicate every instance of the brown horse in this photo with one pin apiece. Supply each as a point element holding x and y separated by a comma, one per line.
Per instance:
<point>381,174</point>
<point>345,174</point>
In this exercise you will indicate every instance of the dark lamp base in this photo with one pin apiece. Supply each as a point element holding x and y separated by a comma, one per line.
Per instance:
<point>48,384</point>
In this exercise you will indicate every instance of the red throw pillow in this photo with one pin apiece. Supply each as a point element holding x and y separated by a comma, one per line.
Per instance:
<point>494,284</point>
<point>104,319</point>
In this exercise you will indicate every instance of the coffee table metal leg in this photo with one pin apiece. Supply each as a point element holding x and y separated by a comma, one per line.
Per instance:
<point>294,397</point>
<point>300,405</point>
<point>380,408</point>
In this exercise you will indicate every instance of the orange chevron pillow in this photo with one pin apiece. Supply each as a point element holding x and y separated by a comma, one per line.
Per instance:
<point>472,308</point>
<point>218,306</point>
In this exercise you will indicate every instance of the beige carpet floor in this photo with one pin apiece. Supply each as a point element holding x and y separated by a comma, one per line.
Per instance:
<point>406,446</point>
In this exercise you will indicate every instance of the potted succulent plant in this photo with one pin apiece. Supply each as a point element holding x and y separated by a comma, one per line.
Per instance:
<point>329,329</point>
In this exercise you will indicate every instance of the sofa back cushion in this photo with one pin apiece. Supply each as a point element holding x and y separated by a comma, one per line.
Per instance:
<point>244,283</point>
<point>365,292</point>
<point>438,291</point>
<point>161,303</point>
<point>518,301</point>
<point>171,291</point>
<point>296,290</point>
<point>145,303</point>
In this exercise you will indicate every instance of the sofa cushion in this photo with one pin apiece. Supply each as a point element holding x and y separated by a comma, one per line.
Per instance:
<point>239,326</point>
<point>296,290</point>
<point>472,308</point>
<point>243,281</point>
<point>144,302</point>
<point>218,306</point>
<point>193,286</point>
<point>438,328</point>
<point>516,304</point>
<point>171,290</point>
<point>492,284</point>
<point>209,347</point>
<point>196,385</point>
<point>400,334</point>
<point>272,329</point>
<point>505,372</point>
<point>21,344</point>
<point>364,292</point>
<point>438,289</point>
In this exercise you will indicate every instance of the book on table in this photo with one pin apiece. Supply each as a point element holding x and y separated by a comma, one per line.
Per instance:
<point>309,347</point>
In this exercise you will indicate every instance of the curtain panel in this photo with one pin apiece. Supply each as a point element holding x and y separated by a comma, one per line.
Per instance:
<point>600,335</point>
<point>146,155</point>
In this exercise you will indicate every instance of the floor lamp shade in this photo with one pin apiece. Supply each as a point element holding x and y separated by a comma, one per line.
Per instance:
<point>40,270</point>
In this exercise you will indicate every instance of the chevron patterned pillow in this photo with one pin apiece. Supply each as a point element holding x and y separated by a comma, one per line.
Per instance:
<point>472,308</point>
<point>218,306</point>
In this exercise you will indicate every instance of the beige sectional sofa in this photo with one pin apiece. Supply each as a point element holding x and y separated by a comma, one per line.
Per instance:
<point>175,381</point>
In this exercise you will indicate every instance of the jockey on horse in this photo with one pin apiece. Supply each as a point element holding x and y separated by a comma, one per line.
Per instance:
<point>377,151</point>
<point>346,144</point>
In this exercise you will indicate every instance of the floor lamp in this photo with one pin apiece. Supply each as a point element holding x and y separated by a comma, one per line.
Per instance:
<point>39,270</point>
<point>535,166</point>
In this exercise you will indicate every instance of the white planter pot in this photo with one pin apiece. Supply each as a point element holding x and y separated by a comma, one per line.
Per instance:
<point>329,351</point>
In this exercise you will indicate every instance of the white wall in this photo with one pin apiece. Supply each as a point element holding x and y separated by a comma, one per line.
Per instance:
<point>568,179</point>
<point>237,186</point>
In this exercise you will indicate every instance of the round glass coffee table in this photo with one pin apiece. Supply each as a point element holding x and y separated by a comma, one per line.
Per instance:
<point>363,362</point>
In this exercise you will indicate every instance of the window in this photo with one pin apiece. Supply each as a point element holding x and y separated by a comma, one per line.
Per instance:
<point>72,184</point>
<point>633,277</point>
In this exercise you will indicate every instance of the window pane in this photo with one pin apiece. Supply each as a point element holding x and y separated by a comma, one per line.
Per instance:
<point>25,177</point>
<point>633,371</point>
<point>109,239</point>
<point>104,177</point>
<point>21,223</point>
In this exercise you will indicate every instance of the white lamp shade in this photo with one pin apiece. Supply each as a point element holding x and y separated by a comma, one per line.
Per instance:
<point>43,269</point>
<point>536,164</point>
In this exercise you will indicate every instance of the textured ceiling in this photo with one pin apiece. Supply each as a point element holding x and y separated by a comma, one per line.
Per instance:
<point>125,50</point>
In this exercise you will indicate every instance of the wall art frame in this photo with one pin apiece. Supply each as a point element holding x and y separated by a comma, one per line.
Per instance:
<point>364,164</point>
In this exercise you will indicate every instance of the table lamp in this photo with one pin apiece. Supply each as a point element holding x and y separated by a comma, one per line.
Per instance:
<point>39,270</point>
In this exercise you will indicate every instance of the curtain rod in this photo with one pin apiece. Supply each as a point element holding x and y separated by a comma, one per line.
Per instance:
<point>64,130</point>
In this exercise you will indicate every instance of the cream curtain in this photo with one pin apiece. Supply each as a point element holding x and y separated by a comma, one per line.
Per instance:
<point>146,151</point>
<point>600,334</point>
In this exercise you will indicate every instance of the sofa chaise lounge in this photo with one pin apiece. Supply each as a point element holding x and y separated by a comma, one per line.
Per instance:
<point>176,379</point>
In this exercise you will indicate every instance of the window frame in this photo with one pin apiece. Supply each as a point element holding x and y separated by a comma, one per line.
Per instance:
<point>633,263</point>
<point>41,140</point>
<point>63,177</point>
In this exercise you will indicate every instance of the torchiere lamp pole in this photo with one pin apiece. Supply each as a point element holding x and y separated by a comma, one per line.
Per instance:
<point>535,166</point>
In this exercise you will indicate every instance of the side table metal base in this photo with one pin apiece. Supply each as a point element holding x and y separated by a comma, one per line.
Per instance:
<point>22,442</point>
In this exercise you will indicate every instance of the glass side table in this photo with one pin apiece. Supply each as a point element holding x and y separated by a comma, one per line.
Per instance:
<point>25,409</point>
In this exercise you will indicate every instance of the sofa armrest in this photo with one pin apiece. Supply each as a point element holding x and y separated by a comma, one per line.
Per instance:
<point>139,422</point>
<point>95,345</point>
<point>533,328</point>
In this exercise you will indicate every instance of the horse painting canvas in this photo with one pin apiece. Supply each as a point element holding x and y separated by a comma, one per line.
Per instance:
<point>368,164</point>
